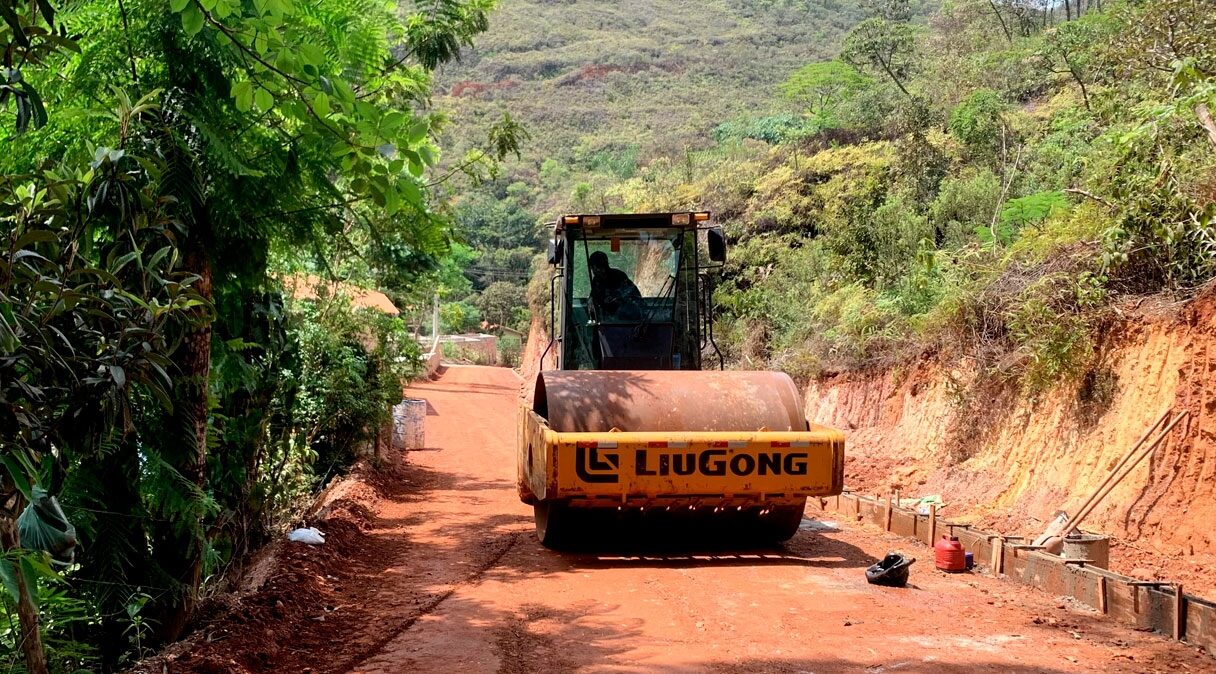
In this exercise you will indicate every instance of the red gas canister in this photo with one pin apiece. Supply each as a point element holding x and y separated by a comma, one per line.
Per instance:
<point>949,555</point>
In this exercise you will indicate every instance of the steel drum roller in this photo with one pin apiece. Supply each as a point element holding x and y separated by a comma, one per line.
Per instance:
<point>668,400</point>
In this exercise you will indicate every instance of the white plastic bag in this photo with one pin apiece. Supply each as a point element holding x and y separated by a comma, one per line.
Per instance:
<point>310,536</point>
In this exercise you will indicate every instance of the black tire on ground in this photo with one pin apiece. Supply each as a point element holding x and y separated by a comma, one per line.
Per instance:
<point>781,523</point>
<point>553,524</point>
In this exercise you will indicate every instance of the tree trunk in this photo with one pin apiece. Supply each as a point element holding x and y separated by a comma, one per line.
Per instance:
<point>178,546</point>
<point>894,78</point>
<point>27,614</point>
<point>1081,81</point>
<point>1004,27</point>
<point>119,564</point>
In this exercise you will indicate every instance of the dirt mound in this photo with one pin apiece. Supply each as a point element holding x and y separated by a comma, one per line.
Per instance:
<point>538,342</point>
<point>307,599</point>
<point>1009,463</point>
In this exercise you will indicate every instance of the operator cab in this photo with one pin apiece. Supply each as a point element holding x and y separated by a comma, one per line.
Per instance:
<point>647,308</point>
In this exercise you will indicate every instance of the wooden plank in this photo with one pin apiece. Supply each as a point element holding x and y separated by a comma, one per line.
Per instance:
<point>1102,606</point>
<point>1179,613</point>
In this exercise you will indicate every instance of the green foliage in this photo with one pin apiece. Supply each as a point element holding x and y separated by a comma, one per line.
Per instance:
<point>620,163</point>
<point>30,36</point>
<point>93,302</point>
<point>978,125</point>
<point>295,405</point>
<point>964,205</point>
<point>820,87</point>
<point>1051,323</point>
<point>1032,209</point>
<point>1160,171</point>
<point>1067,50</point>
<point>772,130</point>
<point>608,88</point>
<point>459,318</point>
<point>884,47</point>
<point>504,303</point>
<point>510,351</point>
<point>488,222</point>
<point>352,364</point>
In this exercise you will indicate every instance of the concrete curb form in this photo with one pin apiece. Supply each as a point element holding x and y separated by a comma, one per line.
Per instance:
<point>1158,606</point>
<point>432,361</point>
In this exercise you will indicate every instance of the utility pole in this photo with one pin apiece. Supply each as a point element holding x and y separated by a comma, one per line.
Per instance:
<point>435,325</point>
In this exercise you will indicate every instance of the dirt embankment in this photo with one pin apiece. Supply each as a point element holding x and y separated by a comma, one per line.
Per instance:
<point>538,343</point>
<point>1009,463</point>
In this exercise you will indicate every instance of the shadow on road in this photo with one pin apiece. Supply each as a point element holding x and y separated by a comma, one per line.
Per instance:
<point>688,550</point>
<point>607,541</point>
<point>591,637</point>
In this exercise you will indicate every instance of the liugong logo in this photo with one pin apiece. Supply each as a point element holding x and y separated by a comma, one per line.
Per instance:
<point>595,467</point>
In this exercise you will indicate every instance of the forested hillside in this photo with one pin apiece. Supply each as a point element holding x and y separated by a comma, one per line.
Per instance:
<point>602,89</point>
<point>984,182</point>
<point>604,86</point>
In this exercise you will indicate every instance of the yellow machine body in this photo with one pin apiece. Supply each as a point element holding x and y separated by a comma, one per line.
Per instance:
<point>698,469</point>
<point>632,419</point>
<point>685,439</point>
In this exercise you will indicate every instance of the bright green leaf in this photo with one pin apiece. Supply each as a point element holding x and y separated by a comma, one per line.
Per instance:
<point>19,474</point>
<point>263,100</point>
<point>192,20</point>
<point>243,93</point>
<point>418,131</point>
<point>412,193</point>
<point>427,154</point>
<point>8,575</point>
<point>320,104</point>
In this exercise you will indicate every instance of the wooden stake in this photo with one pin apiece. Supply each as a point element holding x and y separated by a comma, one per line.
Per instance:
<point>932,524</point>
<point>1179,613</point>
<point>1113,480</point>
<point>1124,459</point>
<point>998,556</point>
<point>888,511</point>
<point>1102,594</point>
<point>1136,599</point>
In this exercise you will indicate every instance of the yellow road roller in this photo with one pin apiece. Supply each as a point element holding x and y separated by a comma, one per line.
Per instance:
<point>631,419</point>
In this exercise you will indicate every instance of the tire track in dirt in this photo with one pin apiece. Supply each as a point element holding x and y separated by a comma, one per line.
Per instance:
<point>353,658</point>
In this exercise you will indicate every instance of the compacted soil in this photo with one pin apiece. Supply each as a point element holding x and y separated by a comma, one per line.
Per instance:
<point>432,566</point>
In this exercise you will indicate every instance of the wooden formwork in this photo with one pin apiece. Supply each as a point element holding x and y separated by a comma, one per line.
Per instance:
<point>1158,606</point>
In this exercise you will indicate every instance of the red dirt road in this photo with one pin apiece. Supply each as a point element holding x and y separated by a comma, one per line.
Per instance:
<point>445,575</point>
